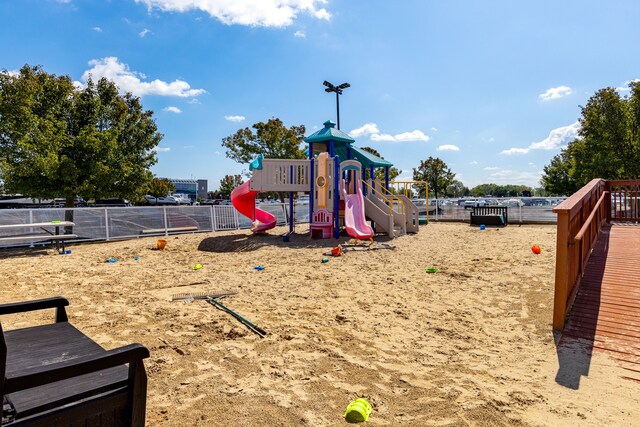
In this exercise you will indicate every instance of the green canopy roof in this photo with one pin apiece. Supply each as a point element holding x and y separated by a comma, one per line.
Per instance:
<point>366,158</point>
<point>329,132</point>
<point>342,142</point>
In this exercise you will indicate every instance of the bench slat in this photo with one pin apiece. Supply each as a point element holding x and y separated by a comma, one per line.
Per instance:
<point>169,230</point>
<point>38,237</point>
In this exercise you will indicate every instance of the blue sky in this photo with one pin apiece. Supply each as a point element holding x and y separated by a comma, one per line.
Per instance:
<point>491,87</point>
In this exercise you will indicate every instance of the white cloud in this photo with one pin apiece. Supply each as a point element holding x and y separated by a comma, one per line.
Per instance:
<point>255,13</point>
<point>491,168</point>
<point>503,173</point>
<point>434,129</point>
<point>300,34</point>
<point>448,147</point>
<point>144,32</point>
<point>236,119</point>
<point>162,149</point>
<point>97,29</point>
<point>366,129</point>
<point>558,138</point>
<point>517,178</point>
<point>130,81</point>
<point>512,151</point>
<point>474,162</point>
<point>625,86</point>
<point>555,93</point>
<point>416,135</point>
<point>172,110</point>
<point>371,130</point>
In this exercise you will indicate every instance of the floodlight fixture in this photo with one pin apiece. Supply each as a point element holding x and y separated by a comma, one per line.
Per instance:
<point>338,90</point>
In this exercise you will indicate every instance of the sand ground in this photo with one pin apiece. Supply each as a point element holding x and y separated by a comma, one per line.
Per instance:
<point>468,345</point>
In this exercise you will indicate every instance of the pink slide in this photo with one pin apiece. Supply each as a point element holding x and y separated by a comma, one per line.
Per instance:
<point>354,219</point>
<point>244,200</point>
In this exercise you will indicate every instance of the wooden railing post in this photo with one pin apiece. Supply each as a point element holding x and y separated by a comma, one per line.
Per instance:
<point>562,271</point>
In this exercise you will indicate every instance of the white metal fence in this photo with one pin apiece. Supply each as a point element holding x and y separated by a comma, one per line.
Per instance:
<point>112,223</point>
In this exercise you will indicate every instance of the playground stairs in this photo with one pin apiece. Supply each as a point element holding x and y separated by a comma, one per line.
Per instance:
<point>385,218</point>
<point>411,214</point>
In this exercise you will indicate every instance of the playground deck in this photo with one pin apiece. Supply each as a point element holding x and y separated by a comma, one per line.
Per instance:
<point>606,311</point>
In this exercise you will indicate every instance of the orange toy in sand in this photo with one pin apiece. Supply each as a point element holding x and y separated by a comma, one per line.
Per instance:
<point>337,251</point>
<point>536,249</point>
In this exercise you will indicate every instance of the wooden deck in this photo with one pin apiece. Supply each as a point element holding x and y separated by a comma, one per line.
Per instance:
<point>606,311</point>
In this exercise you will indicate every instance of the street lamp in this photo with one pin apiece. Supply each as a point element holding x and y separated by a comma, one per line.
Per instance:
<point>338,91</point>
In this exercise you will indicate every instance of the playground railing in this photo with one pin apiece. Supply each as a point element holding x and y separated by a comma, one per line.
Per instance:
<point>282,175</point>
<point>580,220</point>
<point>388,194</point>
<point>394,204</point>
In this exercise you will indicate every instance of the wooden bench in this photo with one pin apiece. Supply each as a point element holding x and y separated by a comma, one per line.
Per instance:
<point>53,374</point>
<point>168,230</point>
<point>489,215</point>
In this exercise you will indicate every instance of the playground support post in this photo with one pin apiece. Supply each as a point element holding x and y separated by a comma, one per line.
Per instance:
<point>336,195</point>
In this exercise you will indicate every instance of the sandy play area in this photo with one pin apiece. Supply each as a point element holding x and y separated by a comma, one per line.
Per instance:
<point>468,345</point>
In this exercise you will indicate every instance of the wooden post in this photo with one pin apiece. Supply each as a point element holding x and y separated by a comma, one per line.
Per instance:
<point>137,393</point>
<point>562,271</point>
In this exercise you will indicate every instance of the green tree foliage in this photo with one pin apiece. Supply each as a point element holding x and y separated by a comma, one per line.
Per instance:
<point>495,190</point>
<point>379,172</point>
<point>557,179</point>
<point>160,187</point>
<point>272,139</point>
<point>436,173</point>
<point>229,183</point>
<point>59,141</point>
<point>608,145</point>
<point>457,189</point>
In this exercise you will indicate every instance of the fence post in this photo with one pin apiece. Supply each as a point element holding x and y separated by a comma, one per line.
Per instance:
<point>166,223</point>
<point>235,215</point>
<point>562,271</point>
<point>212,218</point>
<point>106,223</point>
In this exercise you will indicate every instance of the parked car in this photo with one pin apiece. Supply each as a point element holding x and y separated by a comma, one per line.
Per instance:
<point>468,204</point>
<point>156,201</point>
<point>181,199</point>
<point>111,202</point>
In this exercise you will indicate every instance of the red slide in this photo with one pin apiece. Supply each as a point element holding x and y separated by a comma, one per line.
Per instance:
<point>244,200</point>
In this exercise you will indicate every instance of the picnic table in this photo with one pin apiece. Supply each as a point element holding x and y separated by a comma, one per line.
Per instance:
<point>38,232</point>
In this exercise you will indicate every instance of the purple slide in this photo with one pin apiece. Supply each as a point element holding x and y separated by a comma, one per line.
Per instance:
<point>354,218</point>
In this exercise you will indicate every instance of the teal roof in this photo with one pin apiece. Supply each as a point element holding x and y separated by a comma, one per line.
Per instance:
<point>366,158</point>
<point>328,133</point>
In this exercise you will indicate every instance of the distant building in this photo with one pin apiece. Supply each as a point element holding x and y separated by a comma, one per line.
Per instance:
<point>203,189</point>
<point>194,188</point>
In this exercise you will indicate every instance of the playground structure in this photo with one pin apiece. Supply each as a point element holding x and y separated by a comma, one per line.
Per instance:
<point>335,175</point>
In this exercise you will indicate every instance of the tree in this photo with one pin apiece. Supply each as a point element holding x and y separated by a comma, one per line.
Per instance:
<point>272,139</point>
<point>379,173</point>
<point>436,173</point>
<point>457,189</point>
<point>229,183</point>
<point>557,178</point>
<point>608,145</point>
<point>160,187</point>
<point>59,141</point>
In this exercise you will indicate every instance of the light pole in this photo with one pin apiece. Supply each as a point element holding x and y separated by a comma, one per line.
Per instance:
<point>338,91</point>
